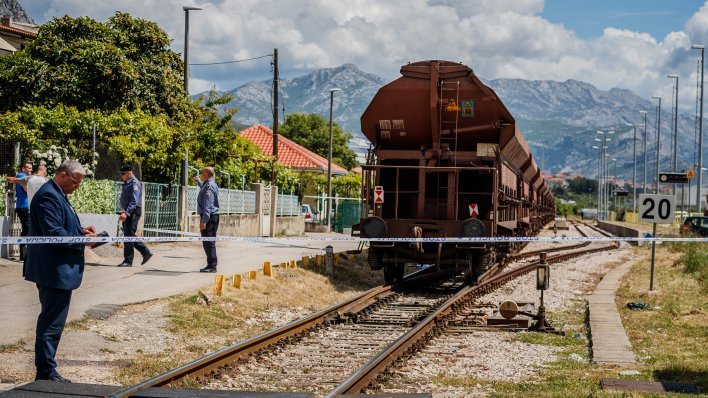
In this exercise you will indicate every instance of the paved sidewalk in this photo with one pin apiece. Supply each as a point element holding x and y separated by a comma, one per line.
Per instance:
<point>173,269</point>
<point>610,344</point>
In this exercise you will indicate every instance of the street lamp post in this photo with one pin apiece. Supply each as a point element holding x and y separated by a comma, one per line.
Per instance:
<point>700,133</point>
<point>329,159</point>
<point>644,185</point>
<point>187,9</point>
<point>676,135</point>
<point>658,141</point>
<point>599,175</point>
<point>634,167</point>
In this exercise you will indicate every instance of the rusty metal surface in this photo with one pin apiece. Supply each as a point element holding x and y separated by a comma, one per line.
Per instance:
<point>412,105</point>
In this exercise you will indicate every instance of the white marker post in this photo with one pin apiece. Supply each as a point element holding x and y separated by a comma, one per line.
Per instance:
<point>656,209</point>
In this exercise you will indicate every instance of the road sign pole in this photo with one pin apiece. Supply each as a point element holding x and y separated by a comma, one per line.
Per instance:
<point>653,252</point>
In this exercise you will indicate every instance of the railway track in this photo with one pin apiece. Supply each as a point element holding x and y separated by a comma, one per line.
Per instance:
<point>352,341</point>
<point>460,310</point>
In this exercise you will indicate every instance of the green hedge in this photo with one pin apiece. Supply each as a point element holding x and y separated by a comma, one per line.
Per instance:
<point>93,196</point>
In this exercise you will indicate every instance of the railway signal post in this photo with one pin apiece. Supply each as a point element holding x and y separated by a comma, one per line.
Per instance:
<point>656,209</point>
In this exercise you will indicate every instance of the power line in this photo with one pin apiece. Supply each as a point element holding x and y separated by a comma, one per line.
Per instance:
<point>233,62</point>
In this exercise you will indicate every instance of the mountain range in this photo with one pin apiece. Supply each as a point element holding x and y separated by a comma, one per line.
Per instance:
<point>558,119</point>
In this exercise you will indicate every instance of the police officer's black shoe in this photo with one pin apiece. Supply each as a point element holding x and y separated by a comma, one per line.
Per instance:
<point>146,257</point>
<point>208,269</point>
<point>124,264</point>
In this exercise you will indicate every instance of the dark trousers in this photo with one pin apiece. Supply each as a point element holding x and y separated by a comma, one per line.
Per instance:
<point>50,324</point>
<point>210,247</point>
<point>130,225</point>
<point>23,215</point>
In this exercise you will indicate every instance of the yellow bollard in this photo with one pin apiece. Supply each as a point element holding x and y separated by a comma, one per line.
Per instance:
<point>305,261</point>
<point>319,260</point>
<point>267,269</point>
<point>218,284</point>
<point>293,264</point>
<point>283,265</point>
<point>236,281</point>
<point>252,274</point>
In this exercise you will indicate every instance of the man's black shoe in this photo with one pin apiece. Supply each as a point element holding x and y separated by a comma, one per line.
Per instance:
<point>124,265</point>
<point>208,269</point>
<point>146,257</point>
<point>58,379</point>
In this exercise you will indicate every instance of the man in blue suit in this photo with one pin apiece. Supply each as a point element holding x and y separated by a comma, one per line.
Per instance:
<point>57,269</point>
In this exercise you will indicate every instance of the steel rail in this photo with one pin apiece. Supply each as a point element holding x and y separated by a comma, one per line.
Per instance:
<point>367,373</point>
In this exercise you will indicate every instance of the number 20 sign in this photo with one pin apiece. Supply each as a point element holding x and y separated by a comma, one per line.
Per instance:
<point>657,208</point>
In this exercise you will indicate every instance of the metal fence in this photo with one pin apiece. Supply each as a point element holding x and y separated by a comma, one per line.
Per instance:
<point>231,201</point>
<point>161,207</point>
<point>288,205</point>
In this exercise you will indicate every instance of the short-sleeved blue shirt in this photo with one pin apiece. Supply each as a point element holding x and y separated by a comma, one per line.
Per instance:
<point>22,202</point>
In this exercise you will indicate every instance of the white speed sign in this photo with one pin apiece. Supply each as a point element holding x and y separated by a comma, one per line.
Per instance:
<point>657,208</point>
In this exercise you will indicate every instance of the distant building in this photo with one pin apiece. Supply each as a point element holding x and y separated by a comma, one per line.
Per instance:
<point>290,154</point>
<point>14,35</point>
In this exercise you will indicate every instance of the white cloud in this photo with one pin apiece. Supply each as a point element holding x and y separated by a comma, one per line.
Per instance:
<point>497,38</point>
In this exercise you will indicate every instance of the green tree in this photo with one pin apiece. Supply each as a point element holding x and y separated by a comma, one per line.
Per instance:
<point>122,78</point>
<point>312,132</point>
<point>582,185</point>
<point>79,62</point>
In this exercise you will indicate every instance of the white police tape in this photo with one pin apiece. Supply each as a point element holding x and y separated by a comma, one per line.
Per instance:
<point>32,240</point>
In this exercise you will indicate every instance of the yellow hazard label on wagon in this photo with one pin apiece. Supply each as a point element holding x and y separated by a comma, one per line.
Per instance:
<point>452,106</point>
<point>467,108</point>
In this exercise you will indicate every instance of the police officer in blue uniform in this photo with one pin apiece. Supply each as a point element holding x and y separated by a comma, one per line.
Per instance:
<point>131,202</point>
<point>208,210</point>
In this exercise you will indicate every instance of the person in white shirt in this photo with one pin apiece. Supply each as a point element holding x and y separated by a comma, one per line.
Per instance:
<point>32,182</point>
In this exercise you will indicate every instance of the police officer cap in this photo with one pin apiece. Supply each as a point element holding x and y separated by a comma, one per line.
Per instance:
<point>126,167</point>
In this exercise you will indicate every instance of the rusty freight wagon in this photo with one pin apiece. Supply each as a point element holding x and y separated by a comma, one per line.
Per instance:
<point>446,160</point>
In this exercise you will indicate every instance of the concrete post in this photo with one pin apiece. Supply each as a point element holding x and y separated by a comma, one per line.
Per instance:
<point>273,209</point>
<point>329,260</point>
<point>258,189</point>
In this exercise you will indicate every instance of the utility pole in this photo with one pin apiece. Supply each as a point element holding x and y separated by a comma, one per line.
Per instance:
<point>275,104</point>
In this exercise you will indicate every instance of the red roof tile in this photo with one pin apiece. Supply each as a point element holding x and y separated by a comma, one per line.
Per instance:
<point>290,154</point>
<point>20,32</point>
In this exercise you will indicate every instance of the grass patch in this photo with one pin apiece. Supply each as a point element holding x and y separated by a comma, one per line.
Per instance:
<point>668,341</point>
<point>80,324</point>
<point>12,348</point>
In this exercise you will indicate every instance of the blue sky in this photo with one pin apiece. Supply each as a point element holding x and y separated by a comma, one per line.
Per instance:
<point>630,44</point>
<point>588,18</point>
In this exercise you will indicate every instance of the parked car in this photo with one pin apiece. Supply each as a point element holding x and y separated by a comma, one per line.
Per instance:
<point>310,215</point>
<point>694,226</point>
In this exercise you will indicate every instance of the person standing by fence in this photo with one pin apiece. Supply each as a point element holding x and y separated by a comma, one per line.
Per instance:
<point>22,203</point>
<point>31,183</point>
<point>131,201</point>
<point>208,210</point>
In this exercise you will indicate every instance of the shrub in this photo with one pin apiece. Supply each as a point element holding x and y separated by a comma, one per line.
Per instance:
<point>94,196</point>
<point>697,263</point>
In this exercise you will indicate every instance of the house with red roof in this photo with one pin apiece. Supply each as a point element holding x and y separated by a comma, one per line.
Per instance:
<point>290,154</point>
<point>13,35</point>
